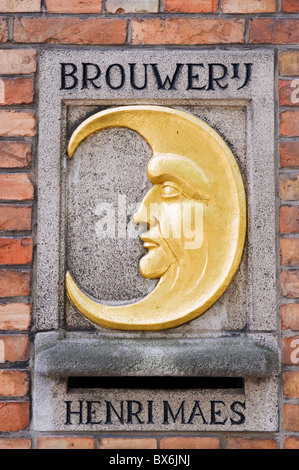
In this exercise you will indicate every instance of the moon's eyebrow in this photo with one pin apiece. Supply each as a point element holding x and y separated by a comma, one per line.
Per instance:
<point>181,170</point>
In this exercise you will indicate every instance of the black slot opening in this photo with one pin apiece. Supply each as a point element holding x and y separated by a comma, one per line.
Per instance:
<point>157,383</point>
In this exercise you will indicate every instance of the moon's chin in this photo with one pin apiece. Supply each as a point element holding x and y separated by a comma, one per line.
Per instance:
<point>153,265</point>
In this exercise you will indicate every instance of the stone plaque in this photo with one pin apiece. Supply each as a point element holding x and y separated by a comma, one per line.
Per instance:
<point>233,340</point>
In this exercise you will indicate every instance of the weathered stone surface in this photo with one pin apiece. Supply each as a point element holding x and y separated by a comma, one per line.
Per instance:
<point>224,357</point>
<point>90,257</point>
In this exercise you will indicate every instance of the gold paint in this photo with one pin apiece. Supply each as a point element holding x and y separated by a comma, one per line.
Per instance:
<point>190,164</point>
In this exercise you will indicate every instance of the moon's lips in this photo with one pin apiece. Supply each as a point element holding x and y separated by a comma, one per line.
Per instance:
<point>150,244</point>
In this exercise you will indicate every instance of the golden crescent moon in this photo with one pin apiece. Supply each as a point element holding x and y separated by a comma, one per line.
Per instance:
<point>196,160</point>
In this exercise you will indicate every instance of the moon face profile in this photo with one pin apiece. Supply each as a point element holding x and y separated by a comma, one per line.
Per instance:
<point>194,214</point>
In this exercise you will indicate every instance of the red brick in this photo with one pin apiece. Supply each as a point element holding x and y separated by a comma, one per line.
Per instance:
<point>74,6</point>
<point>289,123</point>
<point>290,350</point>
<point>13,123</point>
<point>274,31</point>
<point>16,187</point>
<point>291,6</point>
<point>120,443</point>
<point>2,351</point>
<point>17,61</point>
<point>289,251</point>
<point>288,92</point>
<point>290,316</point>
<point>290,382</point>
<point>14,348</point>
<point>250,443</point>
<point>289,63</point>
<point>16,251</point>
<point>289,219</point>
<point>16,91</point>
<point>15,443</point>
<point>22,6</point>
<point>14,416</point>
<point>187,31</point>
<point>289,187</point>
<point>190,443</point>
<point>70,30</point>
<point>291,417</point>
<point>14,316</point>
<point>289,283</point>
<point>15,154</point>
<point>132,6</point>
<point>191,6</point>
<point>14,283</point>
<point>248,6</point>
<point>65,443</point>
<point>289,154</point>
<point>291,443</point>
<point>3,30</point>
<point>14,217</point>
<point>14,383</point>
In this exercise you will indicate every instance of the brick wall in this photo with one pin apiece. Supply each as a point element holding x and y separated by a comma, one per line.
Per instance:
<point>29,26</point>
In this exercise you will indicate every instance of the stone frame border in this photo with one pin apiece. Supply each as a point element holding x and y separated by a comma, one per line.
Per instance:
<point>257,98</point>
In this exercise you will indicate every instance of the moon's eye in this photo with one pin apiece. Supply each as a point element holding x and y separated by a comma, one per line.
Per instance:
<point>169,191</point>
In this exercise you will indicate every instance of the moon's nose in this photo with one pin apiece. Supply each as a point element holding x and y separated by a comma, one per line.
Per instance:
<point>144,216</point>
<point>145,213</point>
<point>140,216</point>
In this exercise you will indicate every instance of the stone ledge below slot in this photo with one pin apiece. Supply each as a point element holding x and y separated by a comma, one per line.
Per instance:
<point>215,357</point>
